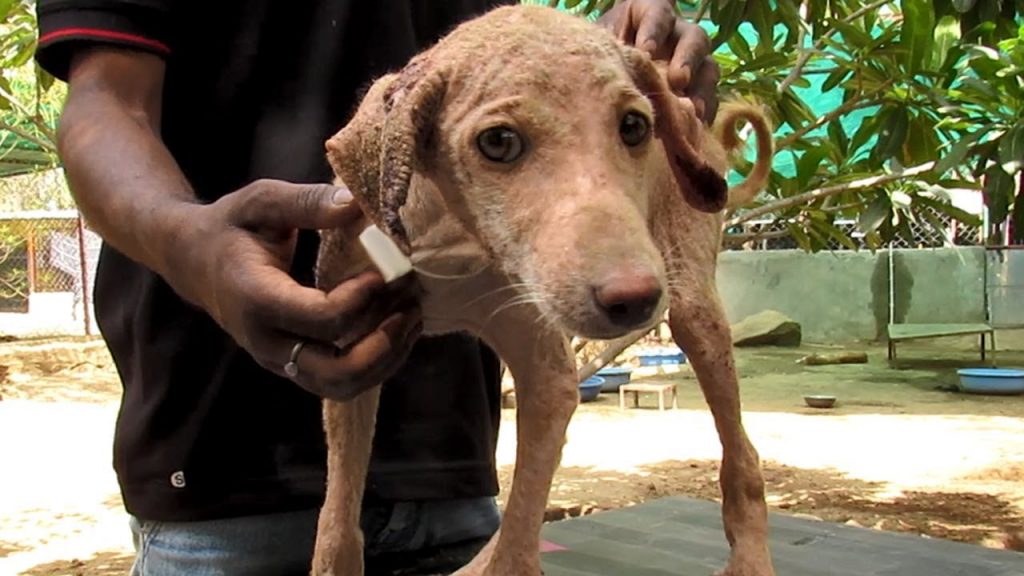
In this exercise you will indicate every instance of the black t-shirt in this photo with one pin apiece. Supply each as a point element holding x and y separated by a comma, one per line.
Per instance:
<point>252,90</point>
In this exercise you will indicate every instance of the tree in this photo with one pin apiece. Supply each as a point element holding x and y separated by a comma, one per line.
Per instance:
<point>873,102</point>
<point>30,102</point>
<point>984,113</point>
<point>29,99</point>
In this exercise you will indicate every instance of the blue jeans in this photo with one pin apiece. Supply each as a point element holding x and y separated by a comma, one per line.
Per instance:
<point>401,538</point>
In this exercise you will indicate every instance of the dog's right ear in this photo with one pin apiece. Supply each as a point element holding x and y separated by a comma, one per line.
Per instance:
<point>678,130</point>
<point>376,153</point>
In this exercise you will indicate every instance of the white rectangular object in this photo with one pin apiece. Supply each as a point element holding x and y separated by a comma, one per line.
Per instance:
<point>385,254</point>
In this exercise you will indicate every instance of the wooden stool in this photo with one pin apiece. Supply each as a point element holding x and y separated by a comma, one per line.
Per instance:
<point>661,389</point>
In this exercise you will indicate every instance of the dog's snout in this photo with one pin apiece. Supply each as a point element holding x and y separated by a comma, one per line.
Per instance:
<point>628,300</point>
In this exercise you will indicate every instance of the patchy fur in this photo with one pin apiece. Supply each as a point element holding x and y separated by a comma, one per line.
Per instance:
<point>588,232</point>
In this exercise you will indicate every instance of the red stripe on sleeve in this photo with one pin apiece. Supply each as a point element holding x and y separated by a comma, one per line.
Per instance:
<point>106,34</point>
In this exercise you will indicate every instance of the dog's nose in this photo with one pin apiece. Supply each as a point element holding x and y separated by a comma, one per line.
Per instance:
<point>628,300</point>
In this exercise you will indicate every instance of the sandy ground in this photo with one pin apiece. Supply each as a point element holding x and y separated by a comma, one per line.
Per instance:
<point>900,451</point>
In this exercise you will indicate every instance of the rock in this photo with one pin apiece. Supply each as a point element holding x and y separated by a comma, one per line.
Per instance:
<point>768,328</point>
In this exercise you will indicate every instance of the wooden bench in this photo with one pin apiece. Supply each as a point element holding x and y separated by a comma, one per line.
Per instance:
<point>906,332</point>
<point>637,388</point>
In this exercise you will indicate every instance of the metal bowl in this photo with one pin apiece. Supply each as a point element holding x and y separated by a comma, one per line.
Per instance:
<point>819,401</point>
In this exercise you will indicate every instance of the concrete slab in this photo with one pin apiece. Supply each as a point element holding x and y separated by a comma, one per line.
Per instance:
<point>679,536</point>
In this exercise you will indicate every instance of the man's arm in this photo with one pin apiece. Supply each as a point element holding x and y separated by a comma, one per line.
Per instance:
<point>123,179</point>
<point>230,257</point>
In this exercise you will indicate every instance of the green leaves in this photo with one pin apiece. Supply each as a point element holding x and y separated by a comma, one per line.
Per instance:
<point>727,16</point>
<point>963,6</point>
<point>28,105</point>
<point>1018,217</point>
<point>857,92</point>
<point>590,9</point>
<point>921,142</point>
<point>917,34</point>
<point>998,193</point>
<point>875,214</point>
<point>984,121</point>
<point>808,164</point>
<point>1011,149</point>
<point>5,8</point>
<point>894,134</point>
<point>955,155</point>
<point>945,38</point>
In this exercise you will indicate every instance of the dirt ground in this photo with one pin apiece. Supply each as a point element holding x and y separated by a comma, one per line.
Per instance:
<point>901,451</point>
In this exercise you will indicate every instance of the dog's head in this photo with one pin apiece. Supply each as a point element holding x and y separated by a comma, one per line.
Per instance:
<point>546,138</point>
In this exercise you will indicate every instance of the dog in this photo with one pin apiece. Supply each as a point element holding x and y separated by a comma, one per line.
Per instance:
<point>499,160</point>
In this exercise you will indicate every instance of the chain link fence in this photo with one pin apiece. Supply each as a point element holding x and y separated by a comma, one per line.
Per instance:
<point>47,267</point>
<point>774,235</point>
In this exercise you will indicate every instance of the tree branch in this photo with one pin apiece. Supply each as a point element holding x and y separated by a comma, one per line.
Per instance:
<point>805,55</point>
<point>701,11</point>
<point>734,239</point>
<point>844,109</point>
<point>808,197</point>
<point>45,145</point>
<point>23,112</point>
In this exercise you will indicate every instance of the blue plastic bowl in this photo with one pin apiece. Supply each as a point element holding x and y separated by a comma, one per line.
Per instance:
<point>590,388</point>
<point>615,377</point>
<point>1002,381</point>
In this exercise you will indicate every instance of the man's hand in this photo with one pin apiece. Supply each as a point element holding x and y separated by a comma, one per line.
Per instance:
<point>233,262</point>
<point>231,257</point>
<point>656,27</point>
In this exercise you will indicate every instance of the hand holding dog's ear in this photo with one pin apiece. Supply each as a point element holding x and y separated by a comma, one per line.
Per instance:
<point>656,27</point>
<point>234,263</point>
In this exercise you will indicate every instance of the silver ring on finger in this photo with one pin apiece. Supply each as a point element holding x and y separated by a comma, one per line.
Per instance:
<point>292,367</point>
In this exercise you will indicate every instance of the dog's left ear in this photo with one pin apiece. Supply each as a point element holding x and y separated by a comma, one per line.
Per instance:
<point>376,153</point>
<point>678,128</point>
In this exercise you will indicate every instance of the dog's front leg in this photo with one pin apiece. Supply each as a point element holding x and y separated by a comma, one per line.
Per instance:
<point>349,428</point>
<point>700,328</point>
<point>546,396</point>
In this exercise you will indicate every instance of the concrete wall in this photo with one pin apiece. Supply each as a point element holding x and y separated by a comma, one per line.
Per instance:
<point>1006,287</point>
<point>843,296</point>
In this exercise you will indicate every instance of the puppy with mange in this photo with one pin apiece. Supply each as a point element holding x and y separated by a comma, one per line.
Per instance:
<point>499,160</point>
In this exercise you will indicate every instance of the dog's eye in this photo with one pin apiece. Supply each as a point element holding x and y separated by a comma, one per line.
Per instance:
<point>633,129</point>
<point>500,144</point>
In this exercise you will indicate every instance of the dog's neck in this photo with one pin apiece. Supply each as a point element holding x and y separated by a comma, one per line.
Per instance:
<point>441,245</point>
